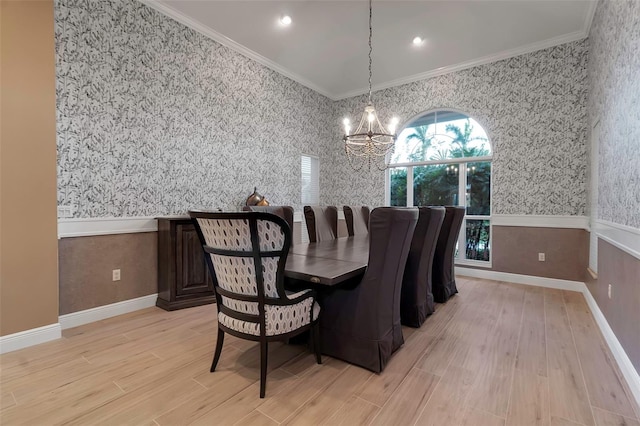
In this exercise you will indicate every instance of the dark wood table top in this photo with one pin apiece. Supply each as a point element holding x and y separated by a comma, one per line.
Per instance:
<point>328,262</point>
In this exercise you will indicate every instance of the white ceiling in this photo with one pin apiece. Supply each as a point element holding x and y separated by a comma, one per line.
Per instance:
<point>325,48</point>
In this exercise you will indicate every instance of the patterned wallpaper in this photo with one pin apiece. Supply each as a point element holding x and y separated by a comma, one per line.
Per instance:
<point>533,108</point>
<point>154,118</point>
<point>614,100</point>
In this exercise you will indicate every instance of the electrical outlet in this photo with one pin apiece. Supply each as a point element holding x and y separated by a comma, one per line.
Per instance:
<point>65,212</point>
<point>115,275</point>
<point>541,257</point>
<point>609,291</point>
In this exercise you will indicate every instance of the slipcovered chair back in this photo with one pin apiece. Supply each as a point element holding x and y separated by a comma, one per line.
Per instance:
<point>357,219</point>
<point>444,279</point>
<point>416,301</point>
<point>246,253</point>
<point>322,222</point>
<point>361,321</point>
<point>285,212</point>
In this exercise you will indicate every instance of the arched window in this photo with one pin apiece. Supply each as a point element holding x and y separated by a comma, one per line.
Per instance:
<point>444,158</point>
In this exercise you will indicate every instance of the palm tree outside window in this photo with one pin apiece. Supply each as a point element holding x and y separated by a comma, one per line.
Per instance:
<point>444,158</point>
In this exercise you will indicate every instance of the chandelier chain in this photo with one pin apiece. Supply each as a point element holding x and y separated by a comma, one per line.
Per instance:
<point>370,46</point>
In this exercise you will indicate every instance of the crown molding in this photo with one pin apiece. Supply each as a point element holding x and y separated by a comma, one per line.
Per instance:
<point>588,20</point>
<point>233,45</point>
<point>505,54</point>
<point>237,47</point>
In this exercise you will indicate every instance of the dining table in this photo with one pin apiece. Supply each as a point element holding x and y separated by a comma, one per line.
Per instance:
<point>329,262</point>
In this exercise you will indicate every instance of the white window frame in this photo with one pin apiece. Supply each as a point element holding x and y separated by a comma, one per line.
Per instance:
<point>462,196</point>
<point>303,232</point>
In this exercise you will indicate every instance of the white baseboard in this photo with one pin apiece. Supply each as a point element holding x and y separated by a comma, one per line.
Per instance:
<point>35,336</point>
<point>622,359</point>
<point>626,367</point>
<point>76,319</point>
<point>522,279</point>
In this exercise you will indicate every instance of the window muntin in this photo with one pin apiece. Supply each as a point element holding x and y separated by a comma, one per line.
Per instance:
<point>444,158</point>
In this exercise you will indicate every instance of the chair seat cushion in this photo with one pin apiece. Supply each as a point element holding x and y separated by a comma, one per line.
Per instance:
<point>280,319</point>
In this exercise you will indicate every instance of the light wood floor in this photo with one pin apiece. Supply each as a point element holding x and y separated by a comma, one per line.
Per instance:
<point>495,354</point>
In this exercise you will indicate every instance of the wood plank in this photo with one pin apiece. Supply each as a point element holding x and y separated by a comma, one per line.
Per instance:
<point>556,318</point>
<point>322,406</point>
<point>532,348</point>
<point>407,402</point>
<point>379,388</point>
<point>529,400</point>
<point>559,421</point>
<point>355,411</point>
<point>605,388</point>
<point>439,354</point>
<point>605,418</point>
<point>534,304</point>
<point>285,403</point>
<point>256,418</point>
<point>62,404</point>
<point>578,310</point>
<point>568,394</point>
<point>473,417</point>
<point>235,408</point>
<point>6,400</point>
<point>443,408</point>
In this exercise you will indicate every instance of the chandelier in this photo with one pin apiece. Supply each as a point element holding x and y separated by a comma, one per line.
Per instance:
<point>370,142</point>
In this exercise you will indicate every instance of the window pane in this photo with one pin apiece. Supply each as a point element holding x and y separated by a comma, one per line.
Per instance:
<point>479,188</point>
<point>398,183</point>
<point>441,135</point>
<point>435,185</point>
<point>478,237</point>
<point>310,180</point>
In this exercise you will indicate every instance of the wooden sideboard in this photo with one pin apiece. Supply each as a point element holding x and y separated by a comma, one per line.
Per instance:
<point>183,277</point>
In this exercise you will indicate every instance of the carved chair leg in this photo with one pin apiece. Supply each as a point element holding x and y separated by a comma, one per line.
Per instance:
<point>216,357</point>
<point>263,367</point>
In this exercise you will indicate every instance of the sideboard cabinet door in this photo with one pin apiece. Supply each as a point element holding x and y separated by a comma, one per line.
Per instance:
<point>183,276</point>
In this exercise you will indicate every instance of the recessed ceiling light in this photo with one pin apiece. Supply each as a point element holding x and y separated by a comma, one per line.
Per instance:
<point>418,41</point>
<point>285,20</point>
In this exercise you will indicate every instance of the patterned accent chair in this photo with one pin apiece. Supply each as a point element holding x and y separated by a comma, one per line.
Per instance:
<point>247,252</point>
<point>357,219</point>
<point>361,321</point>
<point>444,277</point>
<point>322,222</point>
<point>416,300</point>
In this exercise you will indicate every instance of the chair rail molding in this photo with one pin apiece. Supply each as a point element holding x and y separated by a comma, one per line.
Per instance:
<point>540,221</point>
<point>84,227</point>
<point>626,238</point>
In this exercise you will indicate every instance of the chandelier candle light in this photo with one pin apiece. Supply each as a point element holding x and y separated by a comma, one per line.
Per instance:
<point>370,141</point>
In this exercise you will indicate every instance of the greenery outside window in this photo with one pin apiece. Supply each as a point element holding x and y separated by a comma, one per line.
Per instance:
<point>443,158</point>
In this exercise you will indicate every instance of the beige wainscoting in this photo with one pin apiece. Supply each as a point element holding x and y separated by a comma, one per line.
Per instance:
<point>622,311</point>
<point>86,265</point>
<point>515,249</point>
